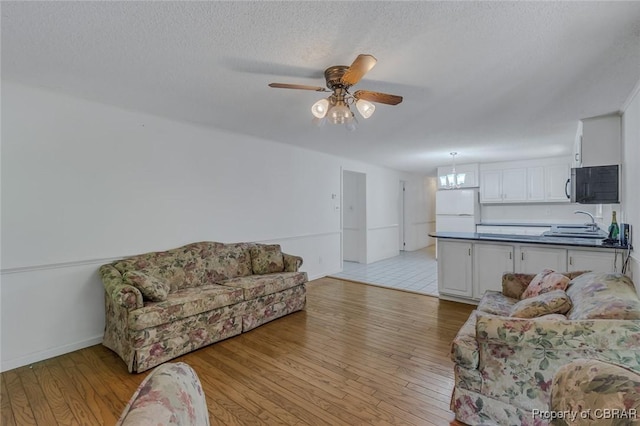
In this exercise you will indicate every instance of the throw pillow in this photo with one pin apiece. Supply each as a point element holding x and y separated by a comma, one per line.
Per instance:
<point>266,259</point>
<point>545,281</point>
<point>552,302</point>
<point>151,287</point>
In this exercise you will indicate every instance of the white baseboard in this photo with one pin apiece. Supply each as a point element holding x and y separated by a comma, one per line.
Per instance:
<point>48,353</point>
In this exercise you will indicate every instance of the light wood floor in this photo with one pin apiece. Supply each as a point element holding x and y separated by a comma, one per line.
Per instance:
<point>357,355</point>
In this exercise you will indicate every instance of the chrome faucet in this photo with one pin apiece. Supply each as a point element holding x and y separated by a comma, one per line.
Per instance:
<point>593,225</point>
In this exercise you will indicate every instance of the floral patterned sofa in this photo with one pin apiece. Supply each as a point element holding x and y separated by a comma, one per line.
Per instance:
<point>507,353</point>
<point>161,305</point>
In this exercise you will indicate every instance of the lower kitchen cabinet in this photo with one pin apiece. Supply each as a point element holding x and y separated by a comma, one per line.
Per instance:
<point>490,261</point>
<point>455,268</point>
<point>583,260</point>
<point>468,268</point>
<point>533,259</point>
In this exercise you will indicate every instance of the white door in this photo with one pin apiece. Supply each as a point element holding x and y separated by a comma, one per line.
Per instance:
<point>456,202</point>
<point>491,186</point>
<point>455,224</point>
<point>592,261</point>
<point>490,261</point>
<point>556,177</point>
<point>535,259</point>
<point>454,268</point>
<point>535,184</point>
<point>514,185</point>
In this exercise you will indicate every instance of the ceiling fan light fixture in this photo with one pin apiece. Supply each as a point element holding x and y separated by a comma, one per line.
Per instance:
<point>320,108</point>
<point>365,108</point>
<point>339,114</point>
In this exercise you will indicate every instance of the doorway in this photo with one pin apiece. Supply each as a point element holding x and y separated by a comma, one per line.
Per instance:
<point>354,217</point>
<point>401,206</point>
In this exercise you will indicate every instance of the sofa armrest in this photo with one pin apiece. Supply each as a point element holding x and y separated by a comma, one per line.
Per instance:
<point>121,294</point>
<point>593,388</point>
<point>291,263</point>
<point>170,395</point>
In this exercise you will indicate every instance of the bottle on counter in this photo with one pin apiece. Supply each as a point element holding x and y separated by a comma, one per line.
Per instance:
<point>614,230</point>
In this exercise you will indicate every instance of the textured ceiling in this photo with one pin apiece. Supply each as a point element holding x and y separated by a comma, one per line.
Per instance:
<point>491,80</point>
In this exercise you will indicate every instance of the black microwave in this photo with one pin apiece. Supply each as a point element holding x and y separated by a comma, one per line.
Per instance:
<point>595,185</point>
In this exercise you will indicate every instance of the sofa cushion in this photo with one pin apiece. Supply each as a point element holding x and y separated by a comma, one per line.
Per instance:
<point>229,261</point>
<point>494,302</point>
<point>515,283</point>
<point>552,302</point>
<point>266,259</point>
<point>183,303</point>
<point>598,295</point>
<point>260,285</point>
<point>152,288</point>
<point>182,267</point>
<point>545,281</point>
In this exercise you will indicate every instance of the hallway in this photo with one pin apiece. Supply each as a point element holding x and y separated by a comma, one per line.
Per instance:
<point>413,271</point>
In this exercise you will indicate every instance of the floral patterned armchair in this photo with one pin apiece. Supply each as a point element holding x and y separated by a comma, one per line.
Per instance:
<point>170,395</point>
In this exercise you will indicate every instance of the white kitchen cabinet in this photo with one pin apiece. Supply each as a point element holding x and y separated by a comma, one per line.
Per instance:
<point>533,259</point>
<point>514,185</point>
<point>490,261</point>
<point>583,260</point>
<point>535,184</point>
<point>535,181</point>
<point>491,186</point>
<point>555,182</point>
<point>468,268</point>
<point>600,142</point>
<point>455,268</point>
<point>503,185</point>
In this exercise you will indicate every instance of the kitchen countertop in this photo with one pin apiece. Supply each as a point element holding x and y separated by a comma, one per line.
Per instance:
<point>527,225</point>
<point>532,239</point>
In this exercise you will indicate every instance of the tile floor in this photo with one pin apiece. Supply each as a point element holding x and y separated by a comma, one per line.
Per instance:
<point>415,271</point>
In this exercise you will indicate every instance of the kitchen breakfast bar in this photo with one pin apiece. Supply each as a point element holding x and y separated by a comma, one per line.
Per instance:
<point>471,263</point>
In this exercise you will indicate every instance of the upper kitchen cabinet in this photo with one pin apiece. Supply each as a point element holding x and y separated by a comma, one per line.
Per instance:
<point>527,181</point>
<point>470,174</point>
<point>598,142</point>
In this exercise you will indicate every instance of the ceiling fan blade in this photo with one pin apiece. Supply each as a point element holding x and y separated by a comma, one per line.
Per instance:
<point>382,98</point>
<point>358,69</point>
<point>297,86</point>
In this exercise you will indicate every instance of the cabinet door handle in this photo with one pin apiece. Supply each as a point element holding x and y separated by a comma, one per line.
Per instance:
<point>522,256</point>
<point>570,260</point>
<point>510,258</point>
<point>469,251</point>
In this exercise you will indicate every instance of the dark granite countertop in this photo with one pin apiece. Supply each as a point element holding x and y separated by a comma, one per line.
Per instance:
<point>532,239</point>
<point>527,225</point>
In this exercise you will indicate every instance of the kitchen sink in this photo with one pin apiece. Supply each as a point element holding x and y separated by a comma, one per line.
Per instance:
<point>575,231</point>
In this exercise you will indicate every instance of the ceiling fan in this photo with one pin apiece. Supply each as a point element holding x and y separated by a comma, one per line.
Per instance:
<point>340,78</point>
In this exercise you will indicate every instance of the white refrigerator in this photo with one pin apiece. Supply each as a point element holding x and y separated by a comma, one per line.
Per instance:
<point>457,210</point>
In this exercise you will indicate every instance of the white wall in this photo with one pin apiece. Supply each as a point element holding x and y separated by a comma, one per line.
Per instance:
<point>84,183</point>
<point>631,176</point>
<point>551,213</point>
